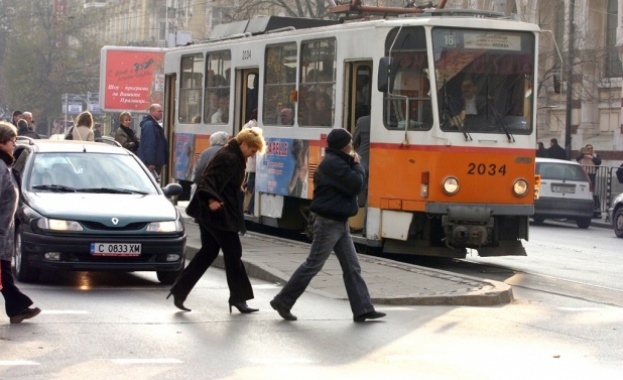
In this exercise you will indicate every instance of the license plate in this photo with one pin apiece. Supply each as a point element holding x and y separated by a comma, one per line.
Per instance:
<point>115,249</point>
<point>565,189</point>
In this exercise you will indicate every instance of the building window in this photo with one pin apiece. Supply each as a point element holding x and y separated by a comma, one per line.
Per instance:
<point>613,64</point>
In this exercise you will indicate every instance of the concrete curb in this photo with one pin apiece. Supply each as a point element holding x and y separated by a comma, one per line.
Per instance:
<point>477,292</point>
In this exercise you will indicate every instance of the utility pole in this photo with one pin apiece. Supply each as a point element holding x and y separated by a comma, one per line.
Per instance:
<point>571,43</point>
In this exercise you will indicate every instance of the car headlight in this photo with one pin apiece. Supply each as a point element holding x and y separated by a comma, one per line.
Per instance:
<point>170,226</point>
<point>450,185</point>
<point>59,225</point>
<point>520,187</point>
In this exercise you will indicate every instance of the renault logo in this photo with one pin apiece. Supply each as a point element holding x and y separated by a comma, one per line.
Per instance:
<point>115,221</point>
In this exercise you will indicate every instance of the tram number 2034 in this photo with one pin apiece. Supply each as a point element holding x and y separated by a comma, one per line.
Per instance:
<point>475,168</point>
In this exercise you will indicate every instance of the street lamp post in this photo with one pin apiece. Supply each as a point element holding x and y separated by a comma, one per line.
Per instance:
<point>570,52</point>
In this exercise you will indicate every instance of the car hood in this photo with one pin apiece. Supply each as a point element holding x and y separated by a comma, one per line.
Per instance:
<point>127,208</point>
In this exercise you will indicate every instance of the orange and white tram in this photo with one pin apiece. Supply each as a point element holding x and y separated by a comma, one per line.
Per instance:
<point>452,116</point>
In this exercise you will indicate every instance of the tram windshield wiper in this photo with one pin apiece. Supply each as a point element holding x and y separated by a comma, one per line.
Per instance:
<point>500,124</point>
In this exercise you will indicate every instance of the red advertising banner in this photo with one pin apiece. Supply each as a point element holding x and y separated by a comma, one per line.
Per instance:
<point>131,79</point>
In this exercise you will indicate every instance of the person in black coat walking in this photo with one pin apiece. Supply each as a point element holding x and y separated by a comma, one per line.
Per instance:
<point>218,205</point>
<point>16,304</point>
<point>337,181</point>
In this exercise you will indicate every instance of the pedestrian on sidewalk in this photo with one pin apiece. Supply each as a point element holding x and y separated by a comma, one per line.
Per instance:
<point>153,149</point>
<point>590,161</point>
<point>218,205</point>
<point>217,141</point>
<point>337,181</point>
<point>16,303</point>
<point>125,135</point>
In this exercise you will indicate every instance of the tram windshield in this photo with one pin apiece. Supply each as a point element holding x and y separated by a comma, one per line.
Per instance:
<point>484,80</point>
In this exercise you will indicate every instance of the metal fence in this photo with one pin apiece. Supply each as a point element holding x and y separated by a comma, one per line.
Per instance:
<point>606,188</point>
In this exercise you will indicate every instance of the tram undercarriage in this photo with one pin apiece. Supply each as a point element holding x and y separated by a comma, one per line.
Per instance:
<point>462,228</point>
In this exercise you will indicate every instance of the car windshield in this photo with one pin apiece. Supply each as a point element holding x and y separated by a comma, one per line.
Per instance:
<point>561,171</point>
<point>89,172</point>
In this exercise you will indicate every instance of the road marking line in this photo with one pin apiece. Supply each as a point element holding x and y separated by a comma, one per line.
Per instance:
<point>147,361</point>
<point>574,309</point>
<point>65,312</point>
<point>9,363</point>
<point>282,361</point>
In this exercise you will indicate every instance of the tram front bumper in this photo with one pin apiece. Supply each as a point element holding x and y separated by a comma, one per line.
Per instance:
<point>467,226</point>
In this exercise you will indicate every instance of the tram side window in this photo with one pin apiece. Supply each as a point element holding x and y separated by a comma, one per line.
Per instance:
<point>317,89</point>
<point>410,98</point>
<point>217,88</point>
<point>280,82</point>
<point>190,88</point>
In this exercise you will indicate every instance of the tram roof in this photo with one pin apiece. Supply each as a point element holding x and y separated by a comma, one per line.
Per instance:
<point>263,25</point>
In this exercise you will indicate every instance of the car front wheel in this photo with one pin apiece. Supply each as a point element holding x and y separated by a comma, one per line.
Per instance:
<point>618,222</point>
<point>23,271</point>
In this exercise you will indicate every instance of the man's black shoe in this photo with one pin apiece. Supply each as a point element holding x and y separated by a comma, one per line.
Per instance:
<point>369,315</point>
<point>282,310</point>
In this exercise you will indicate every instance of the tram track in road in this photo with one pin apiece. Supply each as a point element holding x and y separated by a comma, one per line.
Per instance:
<point>541,282</point>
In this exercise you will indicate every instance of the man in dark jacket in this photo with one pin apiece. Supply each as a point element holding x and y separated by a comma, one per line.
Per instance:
<point>17,116</point>
<point>23,130</point>
<point>153,150</point>
<point>556,151</point>
<point>337,181</point>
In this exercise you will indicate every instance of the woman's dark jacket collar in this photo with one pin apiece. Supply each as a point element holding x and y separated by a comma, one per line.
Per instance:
<point>7,158</point>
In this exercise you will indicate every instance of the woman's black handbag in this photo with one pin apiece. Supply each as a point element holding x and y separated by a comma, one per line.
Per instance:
<point>69,135</point>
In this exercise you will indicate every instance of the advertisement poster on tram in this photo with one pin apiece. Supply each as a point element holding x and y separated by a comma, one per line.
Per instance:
<point>284,168</point>
<point>131,78</point>
<point>184,156</point>
<point>188,148</point>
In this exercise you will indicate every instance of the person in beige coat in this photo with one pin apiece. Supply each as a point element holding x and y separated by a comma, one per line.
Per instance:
<point>84,127</point>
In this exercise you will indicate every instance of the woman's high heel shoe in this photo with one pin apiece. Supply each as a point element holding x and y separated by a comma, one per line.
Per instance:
<point>242,307</point>
<point>178,302</point>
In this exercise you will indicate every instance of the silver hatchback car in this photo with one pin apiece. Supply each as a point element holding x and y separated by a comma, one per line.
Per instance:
<point>566,192</point>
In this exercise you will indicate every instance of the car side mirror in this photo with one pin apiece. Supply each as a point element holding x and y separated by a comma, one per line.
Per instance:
<point>172,189</point>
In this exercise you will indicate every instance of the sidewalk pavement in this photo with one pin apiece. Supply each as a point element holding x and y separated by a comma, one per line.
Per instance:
<point>392,283</point>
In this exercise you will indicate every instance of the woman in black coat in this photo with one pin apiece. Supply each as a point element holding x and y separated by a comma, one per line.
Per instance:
<point>218,205</point>
<point>16,304</point>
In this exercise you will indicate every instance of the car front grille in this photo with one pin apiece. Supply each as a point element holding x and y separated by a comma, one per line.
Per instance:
<point>101,227</point>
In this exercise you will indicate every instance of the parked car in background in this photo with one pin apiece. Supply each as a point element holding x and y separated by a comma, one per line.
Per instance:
<point>566,192</point>
<point>92,206</point>
<point>616,211</point>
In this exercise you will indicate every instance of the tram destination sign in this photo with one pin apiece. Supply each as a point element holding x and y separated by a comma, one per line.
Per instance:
<point>497,41</point>
<point>478,40</point>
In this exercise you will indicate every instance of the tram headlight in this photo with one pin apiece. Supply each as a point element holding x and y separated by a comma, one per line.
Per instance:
<point>520,187</point>
<point>450,185</point>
